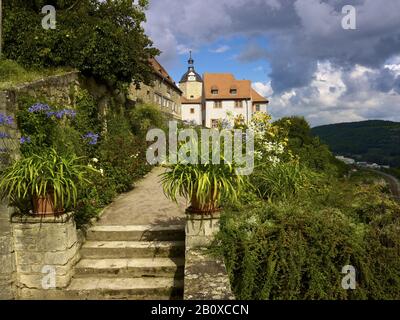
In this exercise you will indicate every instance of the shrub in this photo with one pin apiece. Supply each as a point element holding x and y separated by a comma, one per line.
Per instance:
<point>283,180</point>
<point>296,249</point>
<point>122,155</point>
<point>145,117</point>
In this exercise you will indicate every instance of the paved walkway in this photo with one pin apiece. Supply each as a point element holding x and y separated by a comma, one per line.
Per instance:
<point>145,205</point>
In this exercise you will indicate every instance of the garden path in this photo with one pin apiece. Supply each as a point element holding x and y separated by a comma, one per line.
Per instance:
<point>145,205</point>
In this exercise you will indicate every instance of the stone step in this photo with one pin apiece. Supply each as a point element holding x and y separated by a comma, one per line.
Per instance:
<point>137,233</point>
<point>132,249</point>
<point>125,288</point>
<point>159,267</point>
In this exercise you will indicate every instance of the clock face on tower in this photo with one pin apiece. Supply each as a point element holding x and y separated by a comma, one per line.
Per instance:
<point>192,78</point>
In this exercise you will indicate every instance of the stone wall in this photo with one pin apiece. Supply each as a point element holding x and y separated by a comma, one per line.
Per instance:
<point>46,250</point>
<point>58,89</point>
<point>206,277</point>
<point>7,263</point>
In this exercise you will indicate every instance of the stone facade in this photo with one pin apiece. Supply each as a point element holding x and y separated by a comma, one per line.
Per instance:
<point>44,247</point>
<point>192,89</point>
<point>163,92</point>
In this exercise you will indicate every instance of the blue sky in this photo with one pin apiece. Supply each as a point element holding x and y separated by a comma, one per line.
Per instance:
<point>223,56</point>
<point>295,52</point>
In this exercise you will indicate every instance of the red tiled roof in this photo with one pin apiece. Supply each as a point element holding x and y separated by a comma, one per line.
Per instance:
<point>224,82</point>
<point>256,97</point>
<point>160,71</point>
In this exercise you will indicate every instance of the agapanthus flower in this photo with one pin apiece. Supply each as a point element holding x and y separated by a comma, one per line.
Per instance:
<point>4,135</point>
<point>61,113</point>
<point>24,140</point>
<point>4,119</point>
<point>92,137</point>
<point>39,107</point>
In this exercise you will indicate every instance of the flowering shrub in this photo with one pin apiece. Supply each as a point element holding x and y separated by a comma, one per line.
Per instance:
<point>117,154</point>
<point>269,141</point>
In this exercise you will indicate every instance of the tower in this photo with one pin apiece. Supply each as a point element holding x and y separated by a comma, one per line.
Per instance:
<point>191,82</point>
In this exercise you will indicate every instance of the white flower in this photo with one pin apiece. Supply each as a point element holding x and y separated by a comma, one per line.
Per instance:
<point>102,172</point>
<point>95,160</point>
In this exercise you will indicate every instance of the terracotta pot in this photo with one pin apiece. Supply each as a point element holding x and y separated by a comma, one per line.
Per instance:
<point>44,206</point>
<point>206,209</point>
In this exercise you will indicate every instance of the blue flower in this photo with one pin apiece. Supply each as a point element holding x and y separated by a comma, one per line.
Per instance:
<point>4,135</point>
<point>39,107</point>
<point>92,137</point>
<point>24,140</point>
<point>61,113</point>
<point>6,119</point>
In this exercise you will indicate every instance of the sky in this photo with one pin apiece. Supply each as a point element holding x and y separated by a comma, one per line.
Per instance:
<point>295,52</point>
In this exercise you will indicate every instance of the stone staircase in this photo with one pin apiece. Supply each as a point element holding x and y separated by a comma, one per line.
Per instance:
<point>131,262</point>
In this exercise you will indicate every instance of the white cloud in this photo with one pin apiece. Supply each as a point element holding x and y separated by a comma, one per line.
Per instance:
<point>221,49</point>
<point>352,99</point>
<point>264,89</point>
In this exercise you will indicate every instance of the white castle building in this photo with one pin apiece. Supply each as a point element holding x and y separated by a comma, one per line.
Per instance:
<point>207,100</point>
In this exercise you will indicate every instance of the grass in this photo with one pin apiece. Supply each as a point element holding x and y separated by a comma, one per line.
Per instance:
<point>12,74</point>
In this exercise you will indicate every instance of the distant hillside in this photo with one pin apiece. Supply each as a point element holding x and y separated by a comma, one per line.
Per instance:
<point>372,141</point>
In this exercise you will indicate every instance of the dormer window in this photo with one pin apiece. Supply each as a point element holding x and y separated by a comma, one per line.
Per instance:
<point>214,90</point>
<point>233,91</point>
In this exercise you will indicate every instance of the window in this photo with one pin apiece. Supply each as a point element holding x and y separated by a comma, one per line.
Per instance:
<point>233,91</point>
<point>191,97</point>
<point>214,90</point>
<point>258,108</point>
<point>192,110</point>
<point>217,104</point>
<point>214,123</point>
<point>238,104</point>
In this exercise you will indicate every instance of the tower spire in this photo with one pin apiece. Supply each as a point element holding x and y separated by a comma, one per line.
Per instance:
<point>190,61</point>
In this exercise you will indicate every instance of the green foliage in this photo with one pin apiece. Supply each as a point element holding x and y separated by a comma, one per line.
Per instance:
<point>104,39</point>
<point>145,117</point>
<point>42,175</point>
<point>119,155</point>
<point>309,149</point>
<point>290,236</point>
<point>296,248</point>
<point>283,180</point>
<point>372,141</point>
<point>11,73</point>
<point>122,154</point>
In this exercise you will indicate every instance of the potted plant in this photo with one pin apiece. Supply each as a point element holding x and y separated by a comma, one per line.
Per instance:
<point>204,185</point>
<point>49,182</point>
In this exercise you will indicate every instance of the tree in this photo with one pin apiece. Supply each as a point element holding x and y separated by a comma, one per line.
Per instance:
<point>310,150</point>
<point>103,39</point>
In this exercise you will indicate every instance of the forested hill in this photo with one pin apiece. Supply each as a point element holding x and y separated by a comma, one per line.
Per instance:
<point>372,141</point>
